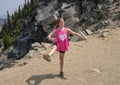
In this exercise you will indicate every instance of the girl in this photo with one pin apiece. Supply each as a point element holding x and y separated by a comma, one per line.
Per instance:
<point>61,42</point>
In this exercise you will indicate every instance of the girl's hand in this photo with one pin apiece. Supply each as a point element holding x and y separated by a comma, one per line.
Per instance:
<point>82,38</point>
<point>53,39</point>
<point>85,38</point>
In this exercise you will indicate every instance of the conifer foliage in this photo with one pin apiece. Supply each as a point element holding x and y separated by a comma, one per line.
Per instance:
<point>14,23</point>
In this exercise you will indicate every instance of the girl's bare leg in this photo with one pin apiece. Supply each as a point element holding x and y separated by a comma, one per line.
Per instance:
<point>47,56</point>
<point>61,56</point>
<point>54,48</point>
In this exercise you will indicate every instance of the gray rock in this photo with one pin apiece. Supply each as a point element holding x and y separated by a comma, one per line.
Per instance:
<point>24,41</point>
<point>108,1</point>
<point>45,11</point>
<point>90,21</point>
<point>1,45</point>
<point>88,31</point>
<point>1,66</point>
<point>100,6</point>
<point>102,25</point>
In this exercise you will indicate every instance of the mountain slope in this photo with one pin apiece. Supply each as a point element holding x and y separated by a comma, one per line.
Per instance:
<point>95,62</point>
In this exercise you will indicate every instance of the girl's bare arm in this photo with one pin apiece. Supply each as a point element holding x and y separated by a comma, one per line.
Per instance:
<point>77,34</point>
<point>50,36</point>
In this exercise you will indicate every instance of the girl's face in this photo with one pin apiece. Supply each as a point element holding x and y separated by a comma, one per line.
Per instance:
<point>61,23</point>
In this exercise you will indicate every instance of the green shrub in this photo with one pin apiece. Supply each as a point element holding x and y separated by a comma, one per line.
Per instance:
<point>101,15</point>
<point>7,41</point>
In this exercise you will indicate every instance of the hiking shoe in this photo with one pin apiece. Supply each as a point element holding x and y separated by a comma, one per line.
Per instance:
<point>61,74</point>
<point>47,57</point>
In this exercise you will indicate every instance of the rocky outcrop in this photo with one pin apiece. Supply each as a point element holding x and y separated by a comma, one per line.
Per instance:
<point>24,41</point>
<point>1,46</point>
<point>44,22</point>
<point>77,15</point>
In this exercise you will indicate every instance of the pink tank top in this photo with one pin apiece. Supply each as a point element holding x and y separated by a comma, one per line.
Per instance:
<point>62,39</point>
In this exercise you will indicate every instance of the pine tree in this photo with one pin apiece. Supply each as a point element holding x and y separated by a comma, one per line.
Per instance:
<point>19,12</point>
<point>13,25</point>
<point>8,21</point>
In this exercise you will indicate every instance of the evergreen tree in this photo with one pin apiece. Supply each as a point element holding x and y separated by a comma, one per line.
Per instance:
<point>8,21</point>
<point>13,25</point>
<point>19,12</point>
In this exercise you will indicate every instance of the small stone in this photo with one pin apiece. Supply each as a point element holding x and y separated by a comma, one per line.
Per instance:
<point>95,70</point>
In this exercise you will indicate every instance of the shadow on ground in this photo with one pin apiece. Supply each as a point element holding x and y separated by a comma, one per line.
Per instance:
<point>37,79</point>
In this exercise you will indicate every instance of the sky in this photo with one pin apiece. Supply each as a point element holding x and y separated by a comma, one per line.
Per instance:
<point>10,5</point>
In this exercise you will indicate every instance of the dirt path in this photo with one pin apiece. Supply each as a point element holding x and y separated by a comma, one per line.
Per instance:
<point>96,62</point>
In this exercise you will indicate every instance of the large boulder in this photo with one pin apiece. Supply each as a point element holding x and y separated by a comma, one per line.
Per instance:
<point>44,12</point>
<point>108,1</point>
<point>24,41</point>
